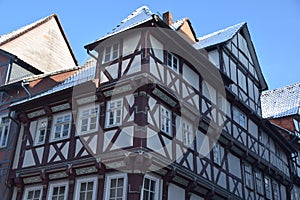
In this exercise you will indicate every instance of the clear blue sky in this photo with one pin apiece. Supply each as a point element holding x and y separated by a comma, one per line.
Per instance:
<point>274,24</point>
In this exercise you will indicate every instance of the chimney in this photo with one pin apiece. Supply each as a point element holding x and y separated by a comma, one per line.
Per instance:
<point>168,18</point>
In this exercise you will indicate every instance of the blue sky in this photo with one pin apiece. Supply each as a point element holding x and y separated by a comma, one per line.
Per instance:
<point>274,24</point>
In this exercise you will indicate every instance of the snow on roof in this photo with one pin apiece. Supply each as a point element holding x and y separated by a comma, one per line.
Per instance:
<point>218,36</point>
<point>84,74</point>
<point>178,23</point>
<point>10,36</point>
<point>281,102</point>
<point>139,16</point>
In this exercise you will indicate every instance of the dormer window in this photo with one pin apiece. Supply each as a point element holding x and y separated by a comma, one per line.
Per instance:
<point>172,62</point>
<point>111,53</point>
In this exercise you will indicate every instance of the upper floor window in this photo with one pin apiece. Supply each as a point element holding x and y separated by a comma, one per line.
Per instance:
<point>268,188</point>
<point>248,176</point>
<point>61,126</point>
<point>150,188</point>
<point>276,191</point>
<point>41,131</point>
<point>111,53</point>
<point>172,62</point>
<point>187,133</point>
<point>114,113</point>
<point>165,120</point>
<point>239,117</point>
<point>217,154</point>
<point>116,187</point>
<point>4,129</point>
<point>259,182</point>
<point>58,191</point>
<point>88,119</point>
<point>33,193</point>
<point>85,189</point>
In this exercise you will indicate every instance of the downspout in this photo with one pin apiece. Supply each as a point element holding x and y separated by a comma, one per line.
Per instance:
<point>26,90</point>
<point>97,72</point>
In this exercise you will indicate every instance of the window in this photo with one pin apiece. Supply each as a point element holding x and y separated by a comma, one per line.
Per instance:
<point>248,176</point>
<point>88,119</point>
<point>58,191</point>
<point>150,188</point>
<point>86,189</point>
<point>41,131</point>
<point>116,187</point>
<point>259,182</point>
<point>276,191</point>
<point>172,62</point>
<point>187,133</point>
<point>239,117</point>
<point>165,120</point>
<point>4,128</point>
<point>217,154</point>
<point>268,187</point>
<point>111,53</point>
<point>114,113</point>
<point>61,126</point>
<point>33,193</point>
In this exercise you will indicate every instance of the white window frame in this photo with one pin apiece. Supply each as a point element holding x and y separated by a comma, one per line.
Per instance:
<point>33,188</point>
<point>276,191</point>
<point>114,113</point>
<point>165,120</point>
<point>85,180</point>
<point>42,125</point>
<point>172,61</point>
<point>157,187</point>
<point>109,52</point>
<point>110,177</point>
<point>59,184</point>
<point>268,187</point>
<point>217,153</point>
<point>4,131</point>
<point>187,132</point>
<point>239,117</point>
<point>248,176</point>
<point>88,118</point>
<point>54,125</point>
<point>259,182</point>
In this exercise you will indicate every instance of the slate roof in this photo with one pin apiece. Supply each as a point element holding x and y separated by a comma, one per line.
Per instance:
<point>281,102</point>
<point>218,36</point>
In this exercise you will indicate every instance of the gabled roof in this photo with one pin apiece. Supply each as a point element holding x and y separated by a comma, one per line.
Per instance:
<point>218,37</point>
<point>139,16</point>
<point>33,45</point>
<point>281,102</point>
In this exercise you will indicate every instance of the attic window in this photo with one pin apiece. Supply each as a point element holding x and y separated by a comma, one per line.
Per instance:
<point>172,62</point>
<point>111,53</point>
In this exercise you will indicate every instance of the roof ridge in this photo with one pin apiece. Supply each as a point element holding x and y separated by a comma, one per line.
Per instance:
<point>281,88</point>
<point>24,29</point>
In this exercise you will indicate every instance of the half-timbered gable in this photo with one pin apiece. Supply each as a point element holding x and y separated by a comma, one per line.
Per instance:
<point>153,118</point>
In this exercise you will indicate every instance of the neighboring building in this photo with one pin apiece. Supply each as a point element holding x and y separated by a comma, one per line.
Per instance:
<point>28,57</point>
<point>140,123</point>
<point>282,108</point>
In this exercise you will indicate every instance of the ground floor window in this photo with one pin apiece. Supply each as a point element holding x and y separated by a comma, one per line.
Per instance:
<point>33,193</point>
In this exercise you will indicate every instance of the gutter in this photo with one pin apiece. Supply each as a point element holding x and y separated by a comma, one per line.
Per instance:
<point>26,90</point>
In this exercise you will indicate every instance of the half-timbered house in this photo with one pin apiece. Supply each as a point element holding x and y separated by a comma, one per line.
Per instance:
<point>161,114</point>
<point>281,108</point>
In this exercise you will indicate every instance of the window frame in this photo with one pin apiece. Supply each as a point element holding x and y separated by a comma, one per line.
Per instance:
<point>85,180</point>
<point>238,119</point>
<point>259,182</point>
<point>115,111</point>
<point>55,117</point>
<point>39,127</point>
<point>165,120</point>
<point>33,188</point>
<point>275,185</point>
<point>157,186</point>
<point>110,53</point>
<point>110,177</point>
<point>248,173</point>
<point>58,184</point>
<point>268,192</point>
<point>217,154</point>
<point>80,118</point>
<point>187,134</point>
<point>171,65</point>
<point>5,129</point>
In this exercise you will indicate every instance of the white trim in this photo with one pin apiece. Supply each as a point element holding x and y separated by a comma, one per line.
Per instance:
<point>110,53</point>
<point>187,131</point>
<point>2,127</point>
<point>157,186</point>
<point>165,116</point>
<point>38,128</point>
<point>62,114</point>
<point>84,180</point>
<point>108,179</point>
<point>32,188</point>
<point>173,62</point>
<point>58,184</point>
<point>88,107</point>
<point>115,112</point>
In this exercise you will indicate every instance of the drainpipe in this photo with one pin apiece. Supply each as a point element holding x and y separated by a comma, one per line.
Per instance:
<point>26,90</point>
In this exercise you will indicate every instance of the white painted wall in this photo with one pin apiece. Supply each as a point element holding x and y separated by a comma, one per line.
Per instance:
<point>190,76</point>
<point>130,43</point>
<point>157,48</point>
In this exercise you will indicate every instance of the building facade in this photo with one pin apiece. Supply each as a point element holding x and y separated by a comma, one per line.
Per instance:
<point>159,114</point>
